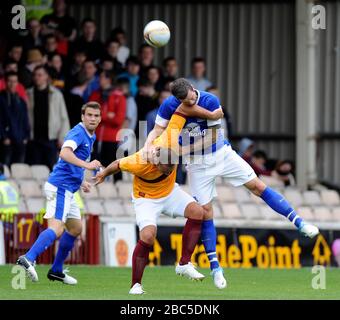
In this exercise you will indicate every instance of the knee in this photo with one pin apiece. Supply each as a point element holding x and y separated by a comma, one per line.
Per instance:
<point>260,187</point>
<point>256,187</point>
<point>75,230</point>
<point>194,211</point>
<point>148,237</point>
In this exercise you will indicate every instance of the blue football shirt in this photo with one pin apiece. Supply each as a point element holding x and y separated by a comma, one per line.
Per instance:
<point>69,176</point>
<point>194,128</point>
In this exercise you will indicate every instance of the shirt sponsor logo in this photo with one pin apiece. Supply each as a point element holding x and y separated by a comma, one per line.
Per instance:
<point>194,130</point>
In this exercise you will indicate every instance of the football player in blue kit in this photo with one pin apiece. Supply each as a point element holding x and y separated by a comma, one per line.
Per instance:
<point>62,211</point>
<point>210,155</point>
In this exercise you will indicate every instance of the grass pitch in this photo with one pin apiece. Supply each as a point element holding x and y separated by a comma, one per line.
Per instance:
<point>161,283</point>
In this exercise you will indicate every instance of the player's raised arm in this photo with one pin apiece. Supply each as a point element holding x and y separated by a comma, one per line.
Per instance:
<point>163,117</point>
<point>196,111</point>
<point>68,155</point>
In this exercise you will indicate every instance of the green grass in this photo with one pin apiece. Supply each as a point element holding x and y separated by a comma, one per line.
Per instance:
<point>162,283</point>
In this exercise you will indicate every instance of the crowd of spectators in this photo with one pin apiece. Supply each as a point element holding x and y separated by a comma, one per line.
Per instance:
<point>50,71</point>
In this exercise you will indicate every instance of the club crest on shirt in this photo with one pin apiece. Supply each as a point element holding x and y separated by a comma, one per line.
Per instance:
<point>194,130</point>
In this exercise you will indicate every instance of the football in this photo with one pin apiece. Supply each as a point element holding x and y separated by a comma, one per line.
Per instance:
<point>156,33</point>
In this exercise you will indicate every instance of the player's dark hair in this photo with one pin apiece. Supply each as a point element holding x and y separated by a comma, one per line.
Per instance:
<point>180,88</point>
<point>91,104</point>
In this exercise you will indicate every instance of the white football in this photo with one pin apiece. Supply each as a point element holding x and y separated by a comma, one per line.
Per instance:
<point>156,33</point>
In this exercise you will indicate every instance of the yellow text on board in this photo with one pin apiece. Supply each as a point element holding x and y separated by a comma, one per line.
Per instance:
<point>249,253</point>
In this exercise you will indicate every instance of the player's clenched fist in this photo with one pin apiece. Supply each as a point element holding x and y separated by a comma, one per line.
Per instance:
<point>93,165</point>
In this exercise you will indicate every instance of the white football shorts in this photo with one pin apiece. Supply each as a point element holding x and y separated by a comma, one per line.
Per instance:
<point>173,205</point>
<point>60,203</point>
<point>225,163</point>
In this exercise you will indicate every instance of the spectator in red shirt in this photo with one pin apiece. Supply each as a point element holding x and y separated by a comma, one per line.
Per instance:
<point>113,110</point>
<point>12,66</point>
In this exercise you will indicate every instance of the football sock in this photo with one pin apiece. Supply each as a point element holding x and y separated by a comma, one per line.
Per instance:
<point>209,241</point>
<point>190,236</point>
<point>66,244</point>
<point>278,203</point>
<point>140,259</point>
<point>45,240</point>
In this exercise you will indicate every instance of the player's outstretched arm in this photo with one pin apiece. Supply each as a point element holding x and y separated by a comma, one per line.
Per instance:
<point>68,155</point>
<point>113,168</point>
<point>196,111</point>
